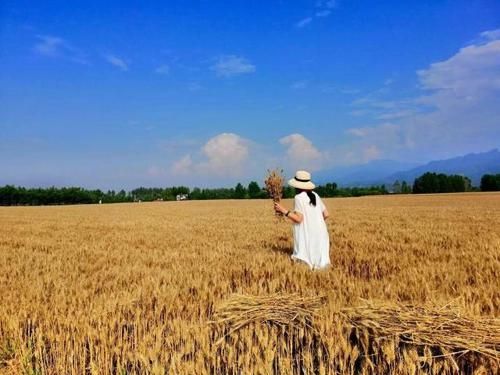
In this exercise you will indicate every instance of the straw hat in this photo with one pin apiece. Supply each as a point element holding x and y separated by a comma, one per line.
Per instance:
<point>302,180</point>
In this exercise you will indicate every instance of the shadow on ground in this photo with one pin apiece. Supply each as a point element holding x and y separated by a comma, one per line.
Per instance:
<point>280,245</point>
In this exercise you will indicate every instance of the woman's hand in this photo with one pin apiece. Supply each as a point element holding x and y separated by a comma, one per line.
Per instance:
<point>279,208</point>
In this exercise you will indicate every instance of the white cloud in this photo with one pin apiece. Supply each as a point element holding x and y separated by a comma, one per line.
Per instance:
<point>457,112</point>
<point>464,95</point>
<point>473,70</point>
<point>324,9</point>
<point>301,152</point>
<point>373,142</point>
<point>358,112</point>
<point>350,91</point>
<point>370,153</point>
<point>330,4</point>
<point>385,109</point>
<point>49,45</point>
<point>155,171</point>
<point>491,34</point>
<point>372,102</point>
<point>223,155</point>
<point>396,114</point>
<point>163,69</point>
<point>357,132</point>
<point>116,62</point>
<point>326,4</point>
<point>183,166</point>
<point>231,65</point>
<point>299,85</point>
<point>303,22</point>
<point>57,47</point>
<point>356,154</point>
<point>323,13</point>
<point>194,86</point>
<point>382,135</point>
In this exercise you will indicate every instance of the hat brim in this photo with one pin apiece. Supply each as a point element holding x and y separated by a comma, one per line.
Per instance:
<point>301,185</point>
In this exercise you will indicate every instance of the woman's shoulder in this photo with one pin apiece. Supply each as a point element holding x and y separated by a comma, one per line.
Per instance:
<point>318,199</point>
<point>300,197</point>
<point>317,195</point>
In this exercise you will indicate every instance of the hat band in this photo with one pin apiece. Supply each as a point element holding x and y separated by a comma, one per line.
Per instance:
<point>298,179</point>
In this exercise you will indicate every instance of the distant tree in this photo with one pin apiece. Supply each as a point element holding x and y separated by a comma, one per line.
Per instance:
<point>405,188</point>
<point>461,183</point>
<point>331,189</point>
<point>9,195</point>
<point>254,190</point>
<point>396,187</point>
<point>121,196</point>
<point>490,182</point>
<point>327,190</point>
<point>427,183</point>
<point>288,192</point>
<point>239,191</point>
<point>195,193</point>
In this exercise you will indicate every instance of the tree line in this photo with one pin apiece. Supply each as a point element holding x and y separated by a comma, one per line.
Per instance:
<point>13,196</point>
<point>426,183</point>
<point>441,183</point>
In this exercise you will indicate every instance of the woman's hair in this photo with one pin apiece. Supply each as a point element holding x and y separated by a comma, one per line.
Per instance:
<point>310,194</point>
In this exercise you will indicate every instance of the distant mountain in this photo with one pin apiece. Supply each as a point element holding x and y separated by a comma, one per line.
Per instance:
<point>379,172</point>
<point>362,175</point>
<point>473,166</point>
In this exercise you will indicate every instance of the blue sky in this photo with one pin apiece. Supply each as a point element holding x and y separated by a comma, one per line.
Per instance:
<point>121,94</point>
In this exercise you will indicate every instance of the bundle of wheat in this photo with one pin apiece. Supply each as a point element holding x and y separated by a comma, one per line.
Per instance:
<point>441,328</point>
<point>290,310</point>
<point>274,185</point>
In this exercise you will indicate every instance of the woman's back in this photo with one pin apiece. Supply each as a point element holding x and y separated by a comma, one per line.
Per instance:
<point>311,241</point>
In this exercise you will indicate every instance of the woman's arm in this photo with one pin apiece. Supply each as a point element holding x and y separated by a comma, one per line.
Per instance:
<point>294,216</point>
<point>324,211</point>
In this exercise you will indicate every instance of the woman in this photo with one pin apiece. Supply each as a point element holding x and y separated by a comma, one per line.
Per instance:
<point>311,241</point>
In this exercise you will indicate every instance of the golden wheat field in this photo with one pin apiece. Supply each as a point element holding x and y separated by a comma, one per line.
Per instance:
<point>141,288</point>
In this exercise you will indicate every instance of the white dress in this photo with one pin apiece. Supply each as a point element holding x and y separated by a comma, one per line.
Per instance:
<point>311,240</point>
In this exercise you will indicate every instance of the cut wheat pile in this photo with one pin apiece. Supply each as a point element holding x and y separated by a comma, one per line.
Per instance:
<point>443,328</point>
<point>285,310</point>
<point>435,332</point>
